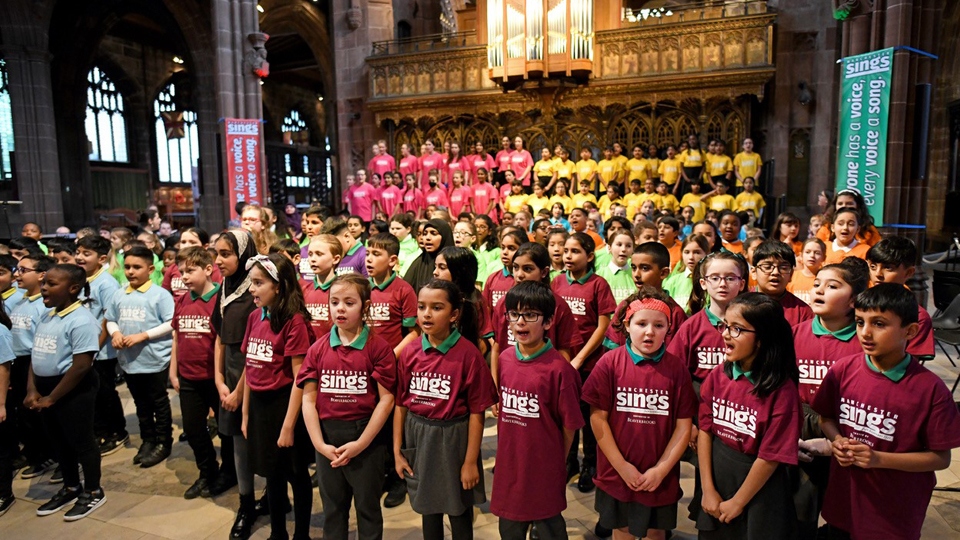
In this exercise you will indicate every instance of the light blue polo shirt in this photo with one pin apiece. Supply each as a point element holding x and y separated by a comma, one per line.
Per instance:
<point>25,318</point>
<point>102,289</point>
<point>11,297</point>
<point>61,335</point>
<point>138,310</point>
<point>6,346</point>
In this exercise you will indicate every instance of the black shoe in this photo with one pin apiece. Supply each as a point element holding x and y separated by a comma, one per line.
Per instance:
<point>183,437</point>
<point>242,525</point>
<point>6,503</point>
<point>19,463</point>
<point>212,427</point>
<point>156,455</point>
<point>87,502</point>
<point>572,468</point>
<point>262,508</point>
<point>198,489</point>
<point>62,498</point>
<point>314,479</point>
<point>585,483</point>
<point>396,494</point>
<point>119,380</point>
<point>602,532</point>
<point>113,443</point>
<point>224,482</point>
<point>145,448</point>
<point>34,471</point>
<point>534,533</point>
<point>57,476</point>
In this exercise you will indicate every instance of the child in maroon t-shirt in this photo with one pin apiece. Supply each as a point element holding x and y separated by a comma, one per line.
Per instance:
<point>749,427</point>
<point>772,270</point>
<point>537,418</point>
<point>642,404</point>
<point>393,304</point>
<point>323,255</point>
<point>891,424</point>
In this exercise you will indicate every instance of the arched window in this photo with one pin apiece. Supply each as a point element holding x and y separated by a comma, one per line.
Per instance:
<point>178,147</point>
<point>404,30</point>
<point>106,128</point>
<point>295,130</point>
<point>6,125</point>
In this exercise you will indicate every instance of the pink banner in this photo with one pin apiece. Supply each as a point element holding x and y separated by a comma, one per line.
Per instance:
<point>243,162</point>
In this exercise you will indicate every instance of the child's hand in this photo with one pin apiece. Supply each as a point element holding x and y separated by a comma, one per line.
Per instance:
<point>402,465</point>
<point>729,510</point>
<point>347,452</point>
<point>31,400</point>
<point>43,403</point>
<point>231,402</point>
<point>224,391</point>
<point>243,426</point>
<point>631,476</point>
<point>576,362</point>
<point>3,413</point>
<point>710,502</point>
<point>814,448</point>
<point>286,437</point>
<point>694,435</point>
<point>495,410</point>
<point>469,475</point>
<point>175,381</point>
<point>839,447</point>
<point>135,339</point>
<point>652,478</point>
<point>863,456</point>
<point>328,451</point>
<point>117,340</point>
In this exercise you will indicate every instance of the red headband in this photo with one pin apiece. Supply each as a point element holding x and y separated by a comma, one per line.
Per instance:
<point>647,303</point>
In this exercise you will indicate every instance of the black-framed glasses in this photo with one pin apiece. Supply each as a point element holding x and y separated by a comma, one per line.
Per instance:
<point>716,279</point>
<point>528,316</point>
<point>768,267</point>
<point>735,331</point>
<point>22,270</point>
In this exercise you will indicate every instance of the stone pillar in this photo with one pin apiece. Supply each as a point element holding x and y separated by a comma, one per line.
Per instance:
<point>356,25</point>
<point>35,138</point>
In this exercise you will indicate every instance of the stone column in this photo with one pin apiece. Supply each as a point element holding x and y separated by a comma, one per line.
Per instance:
<point>35,138</point>
<point>356,25</point>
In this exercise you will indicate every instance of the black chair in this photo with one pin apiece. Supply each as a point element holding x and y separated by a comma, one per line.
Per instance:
<point>948,337</point>
<point>946,287</point>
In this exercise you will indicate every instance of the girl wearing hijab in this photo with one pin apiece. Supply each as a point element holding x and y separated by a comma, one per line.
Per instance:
<point>436,235</point>
<point>233,307</point>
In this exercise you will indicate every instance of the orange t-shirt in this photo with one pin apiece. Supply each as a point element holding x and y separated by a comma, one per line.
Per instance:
<point>870,236</point>
<point>802,286</point>
<point>734,247</point>
<point>675,253</point>
<point>834,256</point>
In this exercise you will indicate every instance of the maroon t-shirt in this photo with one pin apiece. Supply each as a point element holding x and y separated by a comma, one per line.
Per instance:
<point>496,287</point>
<point>563,332</point>
<point>922,345</point>
<point>391,309</point>
<point>677,317</point>
<point>815,355</point>
<point>915,414</point>
<point>645,401</point>
<point>538,399</point>
<point>795,310</point>
<point>587,301</point>
<point>347,377</point>
<point>268,353</point>
<point>699,344</point>
<point>317,299</point>
<point>195,336</point>
<point>768,428</point>
<point>173,282</point>
<point>444,385</point>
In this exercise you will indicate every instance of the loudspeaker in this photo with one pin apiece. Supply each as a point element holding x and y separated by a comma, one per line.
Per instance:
<point>921,130</point>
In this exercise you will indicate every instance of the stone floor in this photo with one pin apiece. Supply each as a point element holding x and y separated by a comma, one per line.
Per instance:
<point>148,504</point>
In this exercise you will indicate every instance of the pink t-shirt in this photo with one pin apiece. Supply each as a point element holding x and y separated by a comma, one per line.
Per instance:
<point>915,414</point>
<point>519,161</point>
<point>699,344</point>
<point>505,191</point>
<point>412,200</point>
<point>503,160</point>
<point>429,162</point>
<point>390,200</point>
<point>443,385</point>
<point>815,355</point>
<point>645,401</point>
<point>317,299</point>
<point>539,397</point>
<point>347,377</point>
<point>767,427</point>
<point>459,197</point>
<point>362,198</point>
<point>436,197</point>
<point>587,301</point>
<point>409,165</point>
<point>268,353</point>
<point>476,162</point>
<point>483,194</point>
<point>382,164</point>
<point>462,165</point>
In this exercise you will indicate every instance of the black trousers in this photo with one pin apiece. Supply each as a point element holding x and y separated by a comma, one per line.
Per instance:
<point>109,420</point>
<point>360,481</point>
<point>149,392</point>
<point>70,423</point>
<point>26,424</point>
<point>8,448</point>
<point>196,400</point>
<point>589,439</point>
<point>553,528</point>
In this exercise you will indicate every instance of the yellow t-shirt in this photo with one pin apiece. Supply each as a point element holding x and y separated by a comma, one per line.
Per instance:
<point>515,203</point>
<point>669,170</point>
<point>536,203</point>
<point>637,169</point>
<point>605,205</point>
<point>719,165</point>
<point>691,158</point>
<point>747,165</point>
<point>579,199</point>
<point>608,170</point>
<point>543,168</point>
<point>630,201</point>
<point>564,170</point>
<point>699,207</point>
<point>653,167</point>
<point>567,203</point>
<point>750,201</point>
<point>622,161</point>
<point>585,170</point>
<point>720,202</point>
<point>669,202</point>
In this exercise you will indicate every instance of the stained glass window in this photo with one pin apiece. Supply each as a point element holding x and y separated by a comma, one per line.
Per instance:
<point>178,144</point>
<point>105,125</point>
<point>6,125</point>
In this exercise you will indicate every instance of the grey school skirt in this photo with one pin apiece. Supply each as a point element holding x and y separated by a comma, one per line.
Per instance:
<point>435,450</point>
<point>770,515</point>
<point>234,362</point>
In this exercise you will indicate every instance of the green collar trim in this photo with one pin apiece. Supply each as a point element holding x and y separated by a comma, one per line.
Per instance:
<point>582,280</point>
<point>506,273</point>
<point>546,347</point>
<point>444,347</point>
<point>264,314</point>
<point>844,334</point>
<point>206,297</point>
<point>711,317</point>
<point>895,373</point>
<point>354,249</point>
<point>323,286</point>
<point>737,373</point>
<point>637,358</point>
<point>386,283</point>
<point>359,343</point>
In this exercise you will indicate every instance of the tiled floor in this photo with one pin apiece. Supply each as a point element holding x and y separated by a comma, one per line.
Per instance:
<point>148,504</point>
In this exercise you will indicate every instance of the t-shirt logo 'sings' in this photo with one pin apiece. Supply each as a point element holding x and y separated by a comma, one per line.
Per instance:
<point>193,324</point>
<point>343,382</point>
<point>45,344</point>
<point>867,420</point>
<point>812,371</point>
<point>643,401</point>
<point>379,312</point>
<point>133,314</point>
<point>341,270</point>
<point>577,305</point>
<point>519,403</point>
<point>21,321</point>
<point>430,385</point>
<point>710,357</point>
<point>259,350</point>
<point>734,416</point>
<point>319,312</point>
<point>496,296</point>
